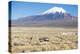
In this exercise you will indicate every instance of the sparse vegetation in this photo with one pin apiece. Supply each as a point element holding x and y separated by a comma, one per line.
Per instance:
<point>32,39</point>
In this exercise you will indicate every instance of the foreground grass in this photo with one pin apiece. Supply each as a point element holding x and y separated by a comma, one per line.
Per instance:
<point>33,39</point>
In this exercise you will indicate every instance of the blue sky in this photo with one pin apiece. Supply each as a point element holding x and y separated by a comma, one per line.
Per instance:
<point>23,9</point>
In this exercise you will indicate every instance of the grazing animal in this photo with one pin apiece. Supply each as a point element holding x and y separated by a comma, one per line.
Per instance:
<point>44,39</point>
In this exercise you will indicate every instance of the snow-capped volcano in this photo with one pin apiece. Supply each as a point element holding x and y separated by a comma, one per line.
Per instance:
<point>54,10</point>
<point>54,17</point>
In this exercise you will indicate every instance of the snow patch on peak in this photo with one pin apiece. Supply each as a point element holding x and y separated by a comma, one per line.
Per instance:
<point>54,10</point>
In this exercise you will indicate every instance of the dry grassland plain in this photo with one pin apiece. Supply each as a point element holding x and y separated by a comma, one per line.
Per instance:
<point>36,39</point>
